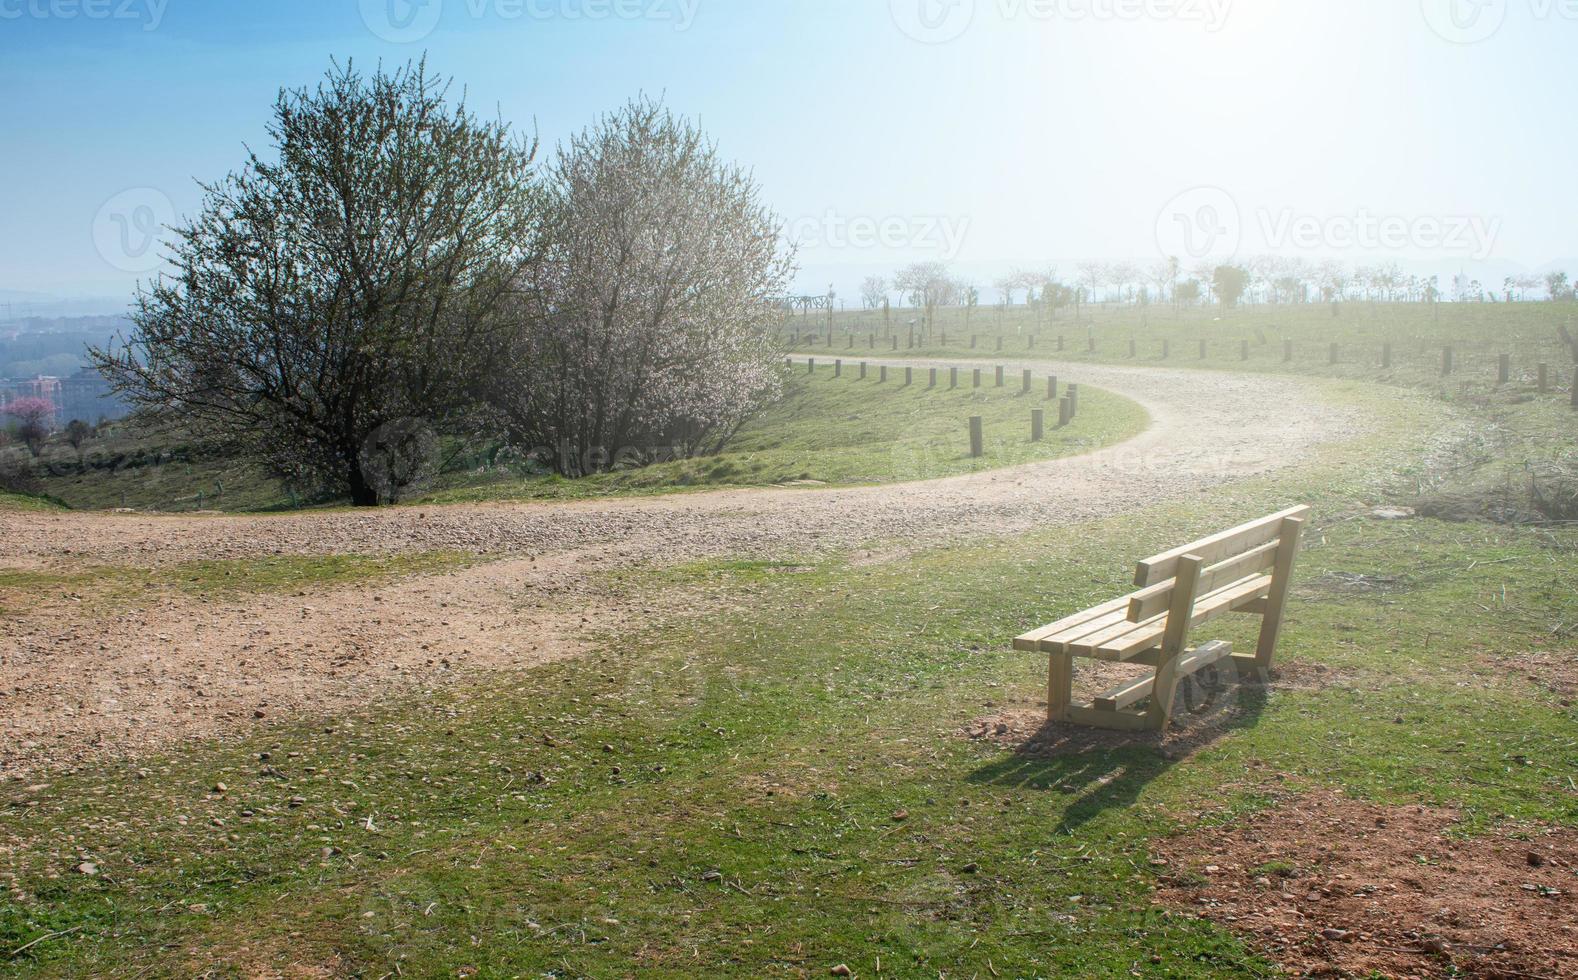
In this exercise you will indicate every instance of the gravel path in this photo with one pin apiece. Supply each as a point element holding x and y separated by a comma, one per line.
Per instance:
<point>72,685</point>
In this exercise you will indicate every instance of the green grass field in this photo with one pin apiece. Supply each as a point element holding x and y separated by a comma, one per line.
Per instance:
<point>1478,333</point>
<point>782,787</point>
<point>826,430</point>
<point>842,430</point>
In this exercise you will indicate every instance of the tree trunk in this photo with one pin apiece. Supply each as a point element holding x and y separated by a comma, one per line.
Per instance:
<point>363,494</point>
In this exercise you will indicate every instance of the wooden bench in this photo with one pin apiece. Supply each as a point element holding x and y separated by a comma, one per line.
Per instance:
<point>1246,569</point>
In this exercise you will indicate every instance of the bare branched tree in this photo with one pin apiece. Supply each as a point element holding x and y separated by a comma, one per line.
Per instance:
<point>873,291</point>
<point>348,284</point>
<point>929,285</point>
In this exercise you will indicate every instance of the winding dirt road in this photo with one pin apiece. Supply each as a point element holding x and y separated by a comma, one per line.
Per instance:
<point>147,672</point>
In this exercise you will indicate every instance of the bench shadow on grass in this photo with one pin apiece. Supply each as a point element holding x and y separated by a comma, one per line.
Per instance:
<point>1103,770</point>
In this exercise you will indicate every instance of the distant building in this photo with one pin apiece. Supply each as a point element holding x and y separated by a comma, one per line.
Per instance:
<point>39,387</point>
<point>85,395</point>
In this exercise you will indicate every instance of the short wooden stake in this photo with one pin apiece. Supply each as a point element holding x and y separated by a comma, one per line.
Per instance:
<point>1243,350</point>
<point>1037,420</point>
<point>1025,388</point>
<point>1386,355</point>
<point>977,377</point>
<point>1504,369</point>
<point>972,341</point>
<point>933,382</point>
<point>1052,386</point>
<point>810,365</point>
<point>882,374</point>
<point>1446,361</point>
<point>1073,400</point>
<point>909,376</point>
<point>999,375</point>
<point>1065,412</point>
<point>1543,373</point>
<point>838,367</point>
<point>1032,340</point>
<point>862,370</point>
<point>976,442</point>
<point>953,377</point>
<point>1202,350</point>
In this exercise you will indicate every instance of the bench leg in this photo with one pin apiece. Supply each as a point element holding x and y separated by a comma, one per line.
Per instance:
<point>1060,685</point>
<point>1160,711</point>
<point>1277,598</point>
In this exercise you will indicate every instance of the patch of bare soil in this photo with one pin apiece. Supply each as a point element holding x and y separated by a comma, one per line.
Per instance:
<point>1199,716</point>
<point>171,668</point>
<point>1554,672</point>
<point>1328,886</point>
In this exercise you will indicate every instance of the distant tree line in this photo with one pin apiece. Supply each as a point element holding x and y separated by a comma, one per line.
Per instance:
<point>398,270</point>
<point>1262,279</point>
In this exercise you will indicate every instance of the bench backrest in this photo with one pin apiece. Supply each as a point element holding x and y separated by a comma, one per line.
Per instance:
<point>1238,554</point>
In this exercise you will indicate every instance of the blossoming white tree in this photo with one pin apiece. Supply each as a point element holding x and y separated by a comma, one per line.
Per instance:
<point>645,328</point>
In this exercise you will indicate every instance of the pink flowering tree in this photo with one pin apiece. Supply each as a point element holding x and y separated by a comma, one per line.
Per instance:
<point>33,418</point>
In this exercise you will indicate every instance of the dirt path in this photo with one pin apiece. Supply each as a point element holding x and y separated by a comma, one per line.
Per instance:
<point>72,685</point>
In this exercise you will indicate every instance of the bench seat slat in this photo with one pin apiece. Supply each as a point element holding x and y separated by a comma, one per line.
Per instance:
<point>1032,640</point>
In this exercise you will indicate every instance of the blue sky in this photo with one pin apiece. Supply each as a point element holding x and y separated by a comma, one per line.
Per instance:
<point>991,133</point>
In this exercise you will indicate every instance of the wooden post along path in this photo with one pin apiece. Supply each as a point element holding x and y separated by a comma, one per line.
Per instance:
<point>976,441</point>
